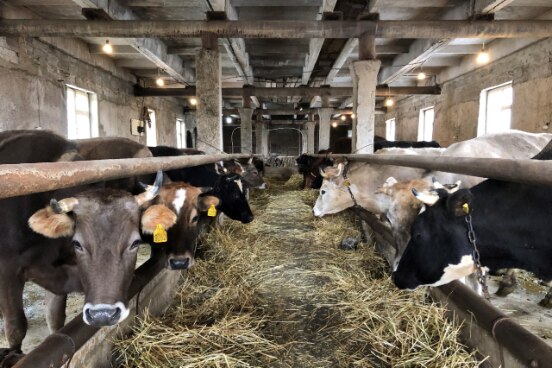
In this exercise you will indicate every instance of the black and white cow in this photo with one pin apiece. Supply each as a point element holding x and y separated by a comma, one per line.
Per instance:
<point>511,222</point>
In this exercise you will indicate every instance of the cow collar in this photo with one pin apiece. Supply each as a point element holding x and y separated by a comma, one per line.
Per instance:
<point>481,276</point>
<point>347,184</point>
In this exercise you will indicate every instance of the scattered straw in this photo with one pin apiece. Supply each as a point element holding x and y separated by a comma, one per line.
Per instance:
<point>280,293</point>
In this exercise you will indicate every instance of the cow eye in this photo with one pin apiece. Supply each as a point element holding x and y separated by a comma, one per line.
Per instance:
<point>322,192</point>
<point>195,218</point>
<point>76,245</point>
<point>135,244</point>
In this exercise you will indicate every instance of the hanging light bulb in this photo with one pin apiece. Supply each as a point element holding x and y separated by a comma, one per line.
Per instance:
<point>160,82</point>
<point>389,102</point>
<point>482,56</point>
<point>334,124</point>
<point>421,76</point>
<point>193,101</point>
<point>228,120</point>
<point>107,48</point>
<point>343,117</point>
<point>353,115</point>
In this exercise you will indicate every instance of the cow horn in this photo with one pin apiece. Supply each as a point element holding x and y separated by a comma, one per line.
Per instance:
<point>64,205</point>
<point>429,199</point>
<point>339,169</point>
<point>151,190</point>
<point>323,173</point>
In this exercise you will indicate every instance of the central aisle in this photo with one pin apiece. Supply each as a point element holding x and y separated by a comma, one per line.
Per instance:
<point>280,293</point>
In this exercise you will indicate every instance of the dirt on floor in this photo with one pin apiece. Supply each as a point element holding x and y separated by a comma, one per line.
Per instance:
<point>280,292</point>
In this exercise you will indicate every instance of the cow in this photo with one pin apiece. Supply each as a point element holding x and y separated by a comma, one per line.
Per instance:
<point>405,207</point>
<point>71,240</point>
<point>511,226</point>
<point>310,167</point>
<point>227,187</point>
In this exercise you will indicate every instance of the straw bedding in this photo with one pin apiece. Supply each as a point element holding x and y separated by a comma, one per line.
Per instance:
<point>280,293</point>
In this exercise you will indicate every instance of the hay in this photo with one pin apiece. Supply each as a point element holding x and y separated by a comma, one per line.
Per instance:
<point>279,293</point>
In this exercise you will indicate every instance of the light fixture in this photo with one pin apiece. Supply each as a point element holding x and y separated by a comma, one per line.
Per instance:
<point>334,124</point>
<point>421,76</point>
<point>343,117</point>
<point>159,81</point>
<point>193,101</point>
<point>353,115</point>
<point>107,48</point>
<point>482,56</point>
<point>388,101</point>
<point>228,120</point>
<point>301,108</point>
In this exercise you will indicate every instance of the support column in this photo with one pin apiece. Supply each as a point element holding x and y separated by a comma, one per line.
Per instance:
<point>310,133</point>
<point>365,77</point>
<point>246,130</point>
<point>261,138</point>
<point>304,140</point>
<point>209,96</point>
<point>325,117</point>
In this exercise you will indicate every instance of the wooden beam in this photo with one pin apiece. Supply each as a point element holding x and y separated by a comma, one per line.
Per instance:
<point>448,29</point>
<point>381,91</point>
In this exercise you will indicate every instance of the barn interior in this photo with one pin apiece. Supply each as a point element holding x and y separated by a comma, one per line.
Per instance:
<point>278,78</point>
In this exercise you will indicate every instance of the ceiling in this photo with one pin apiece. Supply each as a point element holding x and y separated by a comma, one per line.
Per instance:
<point>282,62</point>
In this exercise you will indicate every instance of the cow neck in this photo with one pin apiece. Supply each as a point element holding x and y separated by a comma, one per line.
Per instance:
<point>347,184</point>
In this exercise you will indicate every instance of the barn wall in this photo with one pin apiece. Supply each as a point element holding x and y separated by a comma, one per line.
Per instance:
<point>33,78</point>
<point>457,108</point>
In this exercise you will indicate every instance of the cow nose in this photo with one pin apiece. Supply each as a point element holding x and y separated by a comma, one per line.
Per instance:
<point>179,263</point>
<point>104,315</point>
<point>247,218</point>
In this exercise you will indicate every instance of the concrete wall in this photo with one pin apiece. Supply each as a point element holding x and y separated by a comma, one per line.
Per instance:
<point>457,108</point>
<point>33,78</point>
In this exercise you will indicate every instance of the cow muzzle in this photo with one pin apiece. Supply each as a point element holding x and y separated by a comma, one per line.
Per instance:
<point>99,315</point>
<point>180,263</point>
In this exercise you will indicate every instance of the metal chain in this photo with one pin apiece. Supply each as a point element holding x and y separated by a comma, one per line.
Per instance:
<point>347,184</point>
<point>481,276</point>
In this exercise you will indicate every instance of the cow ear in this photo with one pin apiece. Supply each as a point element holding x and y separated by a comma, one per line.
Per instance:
<point>205,202</point>
<point>459,203</point>
<point>250,161</point>
<point>157,214</point>
<point>51,224</point>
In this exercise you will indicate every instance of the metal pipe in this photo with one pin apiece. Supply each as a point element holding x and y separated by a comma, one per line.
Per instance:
<point>278,28</point>
<point>60,346</point>
<point>381,91</point>
<point>526,171</point>
<point>21,179</point>
<point>519,342</point>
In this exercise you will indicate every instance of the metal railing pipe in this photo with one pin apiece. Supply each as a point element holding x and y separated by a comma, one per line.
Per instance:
<point>526,171</point>
<point>21,179</point>
<point>58,348</point>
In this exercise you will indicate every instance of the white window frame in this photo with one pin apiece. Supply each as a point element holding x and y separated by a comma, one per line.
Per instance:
<point>425,124</point>
<point>390,129</point>
<point>151,132</point>
<point>180,133</point>
<point>91,126</point>
<point>486,124</point>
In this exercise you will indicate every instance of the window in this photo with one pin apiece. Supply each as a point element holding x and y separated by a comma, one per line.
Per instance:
<point>425,126</point>
<point>82,113</point>
<point>151,129</point>
<point>495,109</point>
<point>390,129</point>
<point>180,133</point>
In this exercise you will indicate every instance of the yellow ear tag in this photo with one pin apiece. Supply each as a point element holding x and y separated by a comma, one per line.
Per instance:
<point>160,234</point>
<point>212,211</point>
<point>346,183</point>
<point>466,208</point>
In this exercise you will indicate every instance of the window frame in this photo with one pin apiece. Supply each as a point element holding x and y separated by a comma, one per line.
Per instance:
<point>483,124</point>
<point>181,133</point>
<point>391,126</point>
<point>423,124</point>
<point>73,112</point>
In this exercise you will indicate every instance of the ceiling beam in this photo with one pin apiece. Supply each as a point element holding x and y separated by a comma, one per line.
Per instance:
<point>290,91</point>
<point>444,29</point>
<point>490,6</point>
<point>291,111</point>
<point>153,49</point>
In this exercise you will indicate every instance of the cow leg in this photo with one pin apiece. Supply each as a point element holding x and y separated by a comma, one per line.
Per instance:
<point>15,322</point>
<point>508,283</point>
<point>55,310</point>
<point>547,301</point>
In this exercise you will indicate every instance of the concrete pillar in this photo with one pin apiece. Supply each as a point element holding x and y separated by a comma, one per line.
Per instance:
<point>304,140</point>
<point>325,117</point>
<point>246,130</point>
<point>310,135</point>
<point>365,78</point>
<point>261,138</point>
<point>209,97</point>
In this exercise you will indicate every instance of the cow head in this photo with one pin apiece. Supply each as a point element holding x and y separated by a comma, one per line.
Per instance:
<point>251,177</point>
<point>334,195</point>
<point>103,227</point>
<point>439,250</point>
<point>229,189</point>
<point>186,203</point>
